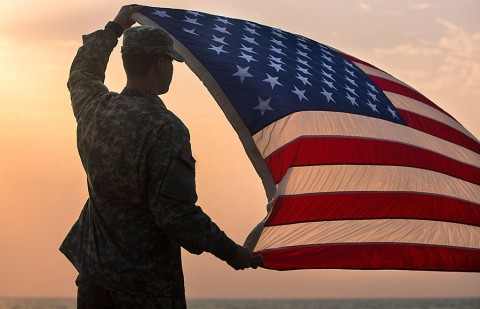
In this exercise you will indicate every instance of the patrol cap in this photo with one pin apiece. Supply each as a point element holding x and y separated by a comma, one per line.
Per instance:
<point>149,40</point>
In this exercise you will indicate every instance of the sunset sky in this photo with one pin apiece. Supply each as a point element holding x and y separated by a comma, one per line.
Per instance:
<point>434,46</point>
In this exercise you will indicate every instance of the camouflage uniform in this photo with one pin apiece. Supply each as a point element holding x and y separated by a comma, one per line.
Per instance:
<point>141,185</point>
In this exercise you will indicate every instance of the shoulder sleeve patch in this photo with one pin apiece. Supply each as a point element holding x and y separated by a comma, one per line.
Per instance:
<point>187,158</point>
<point>179,183</point>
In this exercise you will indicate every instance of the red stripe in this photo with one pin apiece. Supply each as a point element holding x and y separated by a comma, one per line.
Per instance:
<point>353,59</point>
<point>347,150</point>
<point>373,256</point>
<point>388,85</point>
<point>440,130</point>
<point>372,205</point>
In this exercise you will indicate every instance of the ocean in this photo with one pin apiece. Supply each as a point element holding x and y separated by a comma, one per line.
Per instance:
<point>451,303</point>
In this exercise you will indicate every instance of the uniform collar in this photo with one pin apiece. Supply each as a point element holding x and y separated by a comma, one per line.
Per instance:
<point>142,93</point>
<point>137,92</point>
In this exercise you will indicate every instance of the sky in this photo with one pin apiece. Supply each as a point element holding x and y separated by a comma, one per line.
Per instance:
<point>434,46</point>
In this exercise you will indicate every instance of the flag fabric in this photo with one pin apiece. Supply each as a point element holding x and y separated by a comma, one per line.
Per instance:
<point>361,170</point>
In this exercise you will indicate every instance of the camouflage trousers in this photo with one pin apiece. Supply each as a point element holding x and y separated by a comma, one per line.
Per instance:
<point>93,296</point>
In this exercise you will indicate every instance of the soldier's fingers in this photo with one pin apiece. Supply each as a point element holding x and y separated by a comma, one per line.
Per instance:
<point>258,261</point>
<point>130,9</point>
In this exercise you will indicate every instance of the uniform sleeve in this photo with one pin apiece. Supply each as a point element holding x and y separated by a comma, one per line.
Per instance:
<point>87,73</point>
<point>172,197</point>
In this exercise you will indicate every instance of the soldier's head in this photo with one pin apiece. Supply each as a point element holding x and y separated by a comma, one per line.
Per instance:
<point>147,53</point>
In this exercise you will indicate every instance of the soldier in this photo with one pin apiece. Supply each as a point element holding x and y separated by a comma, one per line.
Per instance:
<point>140,177</point>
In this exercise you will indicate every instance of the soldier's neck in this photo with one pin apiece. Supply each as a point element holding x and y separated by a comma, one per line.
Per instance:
<point>144,84</point>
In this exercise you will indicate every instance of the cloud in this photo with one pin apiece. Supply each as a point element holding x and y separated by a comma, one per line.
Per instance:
<point>418,5</point>
<point>363,6</point>
<point>391,13</point>
<point>452,58</point>
<point>458,41</point>
<point>409,50</point>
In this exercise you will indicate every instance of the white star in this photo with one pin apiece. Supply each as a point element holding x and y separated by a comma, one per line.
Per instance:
<point>191,31</point>
<point>272,80</point>
<point>223,20</point>
<point>276,66</point>
<point>303,79</point>
<point>373,96</point>
<point>351,90</point>
<point>373,106</point>
<point>372,87</point>
<point>352,99</point>
<point>350,80</point>
<point>192,21</point>
<point>252,31</point>
<point>242,73</point>
<point>219,40</point>
<point>249,40</point>
<point>350,72</point>
<point>221,29</point>
<point>278,60</point>
<point>300,93</point>
<point>328,95</point>
<point>304,46</point>
<point>194,13</point>
<point>218,49</point>
<point>161,14</point>
<point>278,34</point>
<point>301,38</point>
<point>328,67</point>
<point>304,71</point>
<point>304,62</point>
<point>348,63</point>
<point>326,51</point>
<point>329,59</point>
<point>394,114</point>
<point>327,75</point>
<point>263,105</point>
<point>303,54</point>
<point>247,57</point>
<point>278,42</point>
<point>248,49</point>
<point>277,50</point>
<point>329,84</point>
<point>254,25</point>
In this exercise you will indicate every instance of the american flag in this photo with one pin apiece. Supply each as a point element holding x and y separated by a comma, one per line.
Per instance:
<point>361,170</point>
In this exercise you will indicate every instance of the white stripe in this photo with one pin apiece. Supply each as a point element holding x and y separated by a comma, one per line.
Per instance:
<point>378,178</point>
<point>370,231</point>
<point>412,105</point>
<point>322,123</point>
<point>420,108</point>
<point>375,72</point>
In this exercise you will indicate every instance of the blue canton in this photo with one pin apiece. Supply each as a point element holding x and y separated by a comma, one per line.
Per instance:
<point>268,73</point>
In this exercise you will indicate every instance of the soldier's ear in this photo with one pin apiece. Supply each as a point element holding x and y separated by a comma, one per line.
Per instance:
<point>158,64</point>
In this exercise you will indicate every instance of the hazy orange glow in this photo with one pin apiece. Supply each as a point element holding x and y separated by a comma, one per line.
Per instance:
<point>432,45</point>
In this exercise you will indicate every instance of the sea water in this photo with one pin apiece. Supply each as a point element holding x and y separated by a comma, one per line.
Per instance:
<point>453,303</point>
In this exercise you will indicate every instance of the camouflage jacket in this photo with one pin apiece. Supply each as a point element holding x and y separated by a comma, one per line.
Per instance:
<point>141,185</point>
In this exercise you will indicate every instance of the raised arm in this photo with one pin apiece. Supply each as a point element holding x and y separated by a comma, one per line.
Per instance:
<point>87,73</point>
